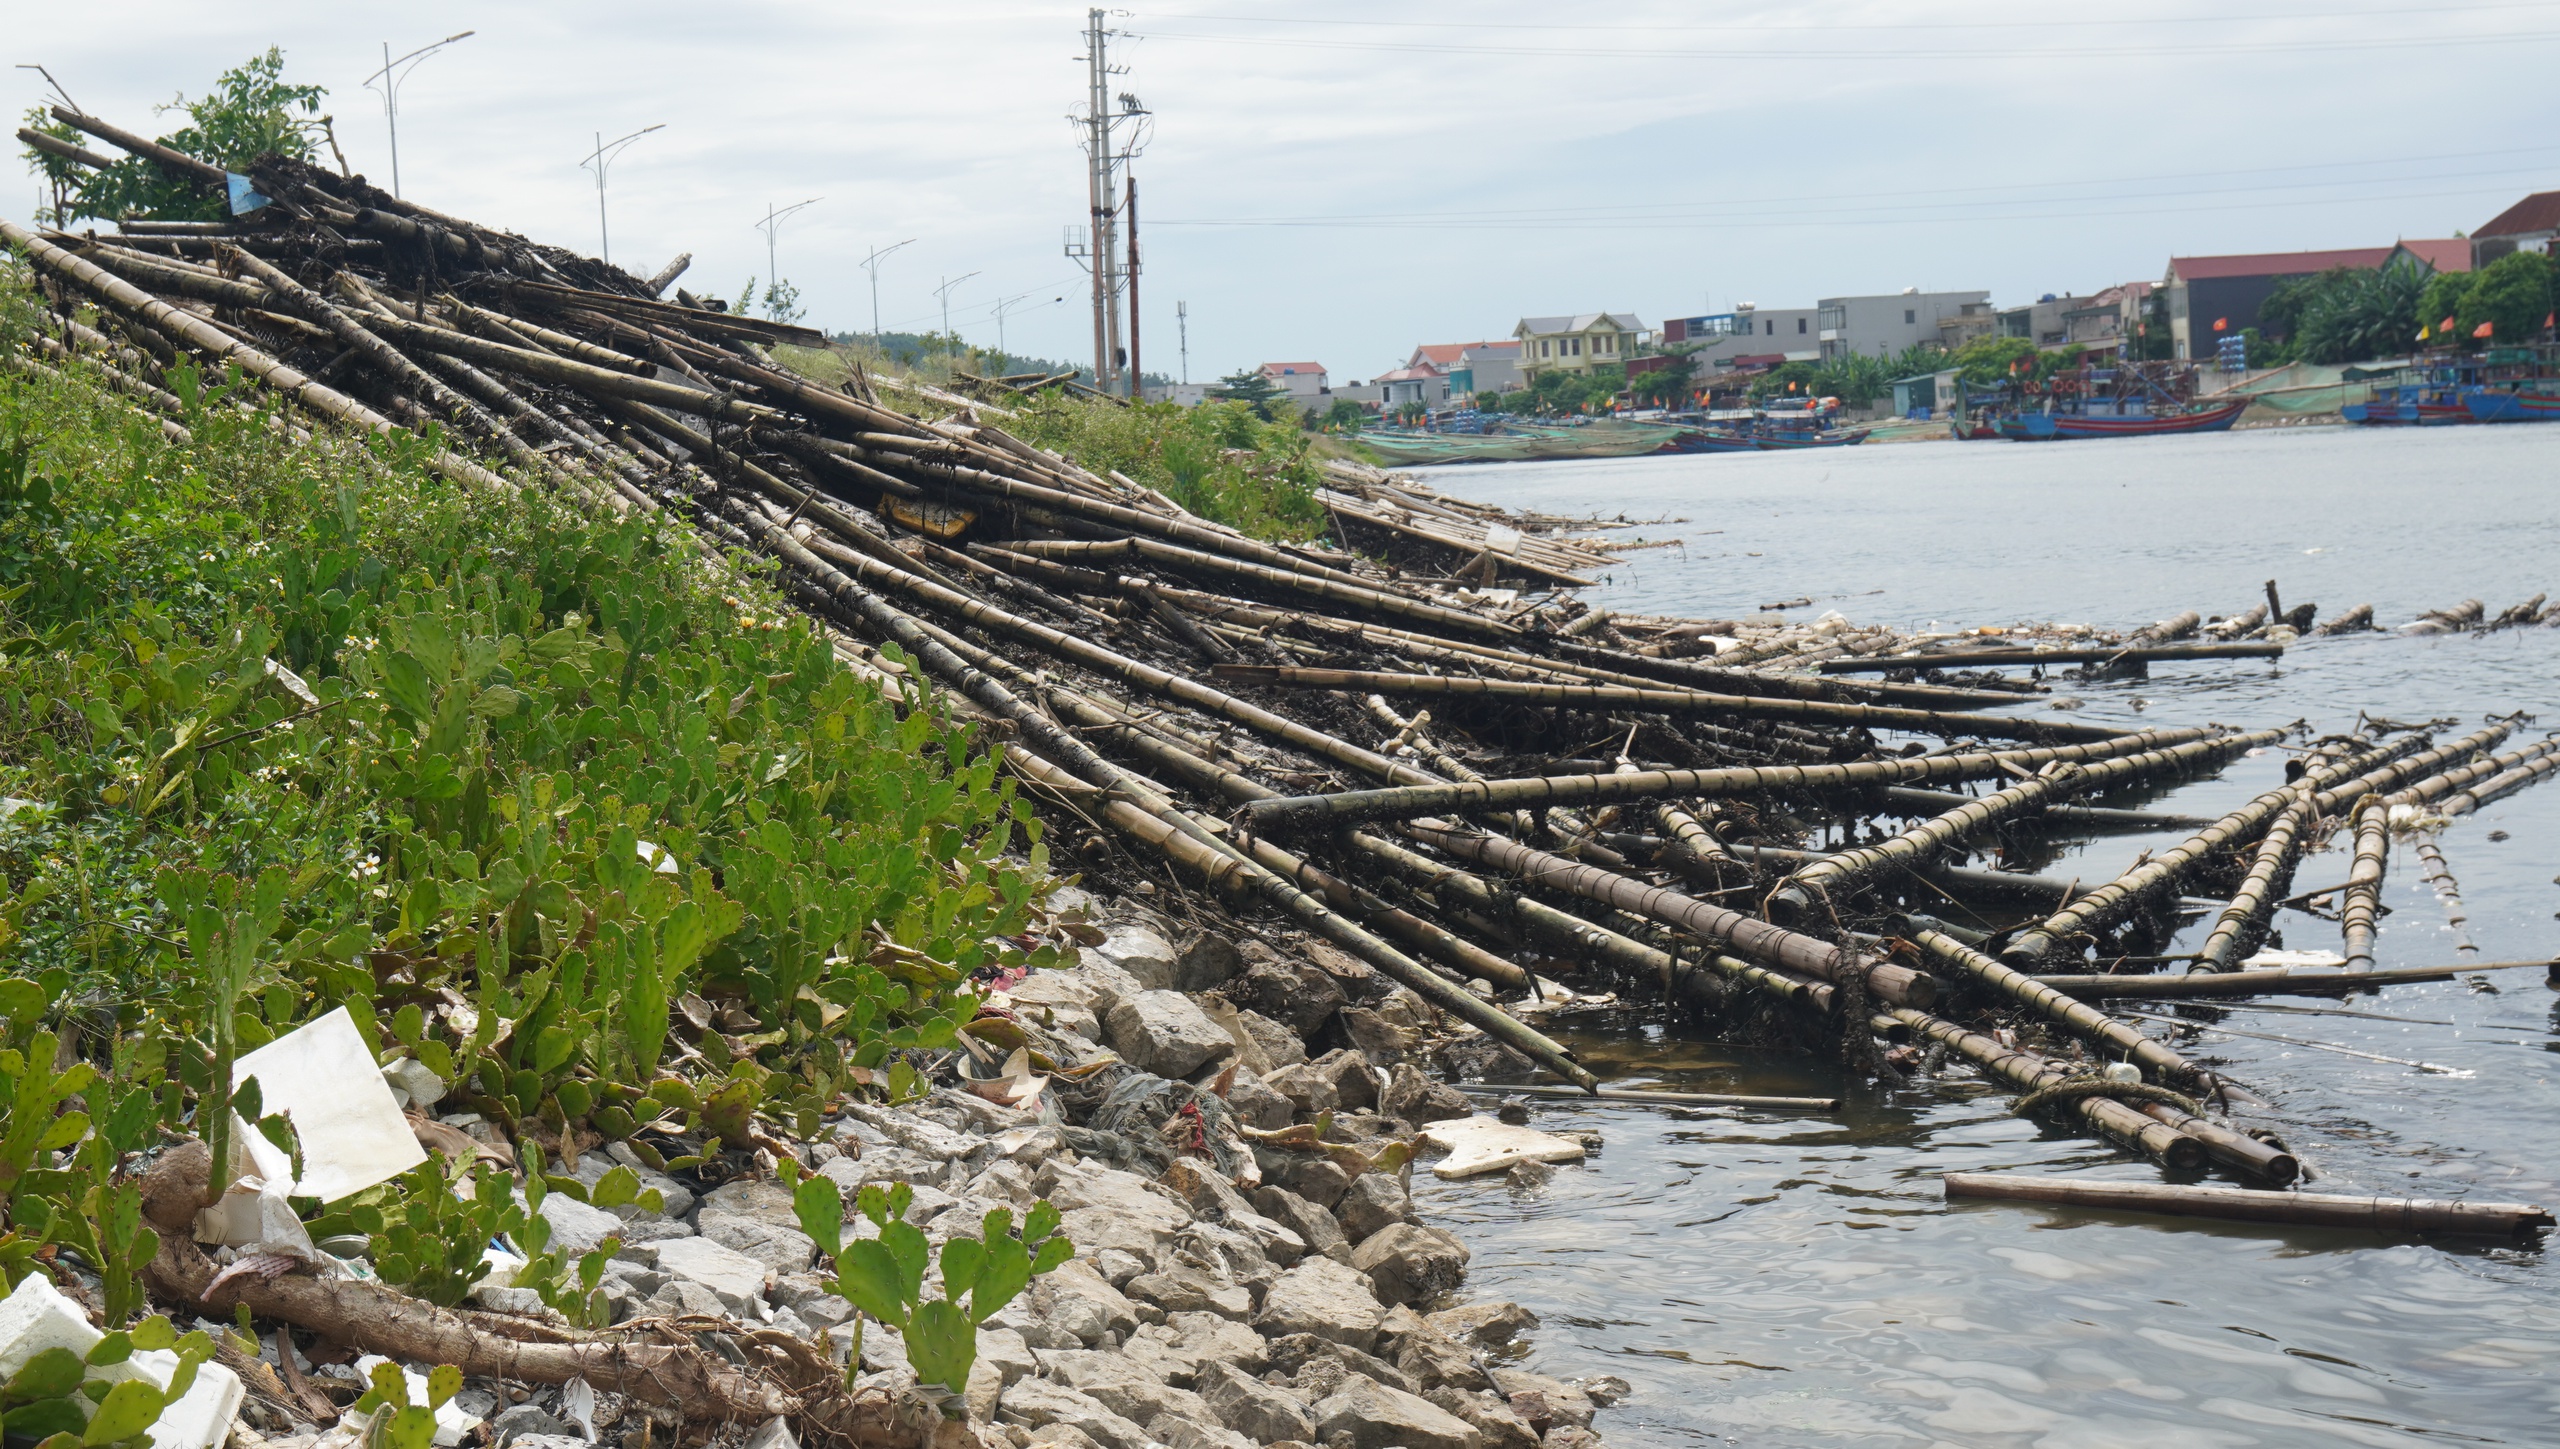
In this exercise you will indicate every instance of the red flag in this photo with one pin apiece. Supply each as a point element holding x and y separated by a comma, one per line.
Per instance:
<point>2445,326</point>
<point>2220,323</point>
<point>2483,330</point>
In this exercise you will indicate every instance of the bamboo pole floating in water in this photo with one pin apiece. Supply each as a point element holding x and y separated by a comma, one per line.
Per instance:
<point>2272,982</point>
<point>1647,1096</point>
<point>1661,701</point>
<point>1745,935</point>
<point>2354,621</point>
<point>1300,812</point>
<point>2093,817</point>
<point>2454,781</point>
<point>2028,1072</point>
<point>2412,767</point>
<point>2457,918</point>
<point>2501,785</point>
<point>2516,1222</point>
<point>2364,881</point>
<point>2085,1021</point>
<point>2243,923</point>
<point>2118,898</point>
<point>2006,658</point>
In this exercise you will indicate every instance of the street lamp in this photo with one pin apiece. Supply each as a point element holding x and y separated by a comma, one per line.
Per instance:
<point>771,226</point>
<point>1003,356</point>
<point>871,264</point>
<point>388,79</point>
<point>944,292</point>
<point>601,159</point>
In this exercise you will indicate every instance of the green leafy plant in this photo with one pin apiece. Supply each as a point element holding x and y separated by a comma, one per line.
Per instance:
<point>396,1423</point>
<point>433,1241</point>
<point>55,1400</point>
<point>883,1276</point>
<point>249,113</point>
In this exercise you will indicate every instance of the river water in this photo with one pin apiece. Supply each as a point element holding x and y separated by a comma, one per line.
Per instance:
<point>1769,1280</point>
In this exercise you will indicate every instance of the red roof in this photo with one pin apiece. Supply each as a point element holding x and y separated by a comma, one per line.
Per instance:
<point>2538,212</point>
<point>2445,254</point>
<point>2276,264</point>
<point>1275,369</point>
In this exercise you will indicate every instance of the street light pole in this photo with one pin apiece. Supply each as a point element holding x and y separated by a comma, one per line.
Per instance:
<point>771,226</point>
<point>944,292</point>
<point>390,79</point>
<point>871,264</point>
<point>602,159</point>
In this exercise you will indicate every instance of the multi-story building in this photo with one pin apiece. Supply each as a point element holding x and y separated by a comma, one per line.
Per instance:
<point>1888,324</point>
<point>2531,225</point>
<point>1577,343</point>
<point>1747,336</point>
<point>1302,383</point>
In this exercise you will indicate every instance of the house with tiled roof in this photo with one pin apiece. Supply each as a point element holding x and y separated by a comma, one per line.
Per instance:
<point>2211,298</point>
<point>1576,343</point>
<point>2531,225</point>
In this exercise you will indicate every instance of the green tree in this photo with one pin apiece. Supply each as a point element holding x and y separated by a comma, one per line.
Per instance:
<point>2359,315</point>
<point>1918,358</point>
<point>1345,416</point>
<point>1987,360</point>
<point>2152,340</point>
<point>2512,295</point>
<point>1250,387</point>
<point>249,113</point>
<point>2440,306</point>
<point>1667,386</point>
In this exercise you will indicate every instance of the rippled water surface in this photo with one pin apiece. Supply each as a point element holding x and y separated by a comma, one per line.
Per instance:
<point>1772,1281</point>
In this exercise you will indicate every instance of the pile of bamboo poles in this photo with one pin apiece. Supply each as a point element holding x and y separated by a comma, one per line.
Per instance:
<point>1299,730</point>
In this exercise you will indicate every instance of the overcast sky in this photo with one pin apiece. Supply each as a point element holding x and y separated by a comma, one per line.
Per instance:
<point>1337,182</point>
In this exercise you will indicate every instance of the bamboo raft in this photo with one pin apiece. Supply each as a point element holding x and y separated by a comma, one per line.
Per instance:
<point>1309,734</point>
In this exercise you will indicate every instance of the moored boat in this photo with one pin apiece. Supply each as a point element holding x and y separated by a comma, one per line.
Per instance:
<point>2036,427</point>
<point>2520,406</point>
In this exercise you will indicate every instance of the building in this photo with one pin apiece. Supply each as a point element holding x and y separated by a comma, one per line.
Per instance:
<point>1577,343</point>
<point>1437,372</point>
<point>2102,323</point>
<point>1966,323</point>
<point>2040,321</point>
<point>1929,394</point>
<point>1302,383</point>
<point>1886,325</point>
<point>1422,383</point>
<point>1747,336</point>
<point>2449,254</point>
<point>1486,367</point>
<point>2531,225</point>
<point>1180,394</point>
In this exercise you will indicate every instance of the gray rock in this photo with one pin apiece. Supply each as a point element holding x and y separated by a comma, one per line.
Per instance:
<point>1278,1042</point>
<point>1373,1037</point>
<point>1313,1225</point>
<point>755,1217</point>
<point>1308,1093</point>
<point>1372,1202</point>
<point>1178,1347</point>
<point>1318,1365</point>
<point>1485,1325</point>
<point>1006,1350</point>
<point>1259,1106</point>
<point>1145,954</point>
<point>576,1228</point>
<point>1322,1297</point>
<point>1278,1242</point>
<point>1320,1180</point>
<point>1300,996</point>
<point>1180,1433</point>
<point>1378,1417</point>
<point>1124,1388</point>
<point>1566,1436</point>
<point>633,1277</point>
<point>734,1278</point>
<point>1418,1098</point>
<point>647,1229</point>
<point>523,1419</point>
<point>1076,1298</point>
<point>1053,1436</point>
<point>1252,1408</point>
<point>1434,1360</point>
<point>1411,1264</point>
<point>1165,1032</point>
<point>1570,1405</point>
<point>1104,979</point>
<point>1040,1403</point>
<point>683,1297</point>
<point>1502,1427</point>
<point>1207,963</point>
<point>1604,1389</point>
<point>1355,1081</point>
<point>1189,1290</point>
<point>915,1133</point>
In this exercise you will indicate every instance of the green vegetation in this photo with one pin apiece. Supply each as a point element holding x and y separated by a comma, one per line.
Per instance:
<point>1854,379</point>
<point>289,726</point>
<point>2345,314</point>
<point>2512,295</point>
<point>251,112</point>
<point>1667,386</point>
<point>1222,460</point>
<point>1557,393</point>
<point>1345,416</point>
<point>1253,390</point>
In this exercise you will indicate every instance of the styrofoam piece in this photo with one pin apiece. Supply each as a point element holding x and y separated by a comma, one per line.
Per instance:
<point>452,1424</point>
<point>1479,1145</point>
<point>255,1213</point>
<point>37,1317</point>
<point>353,1134</point>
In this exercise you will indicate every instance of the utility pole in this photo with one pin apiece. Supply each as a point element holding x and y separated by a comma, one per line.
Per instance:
<point>602,160</point>
<point>771,226</point>
<point>389,81</point>
<point>871,264</point>
<point>1137,371</point>
<point>1110,138</point>
<point>1182,320</point>
<point>944,292</point>
<point>1004,305</point>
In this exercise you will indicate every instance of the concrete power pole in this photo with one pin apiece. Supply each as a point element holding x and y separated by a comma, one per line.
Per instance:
<point>1110,138</point>
<point>1182,319</point>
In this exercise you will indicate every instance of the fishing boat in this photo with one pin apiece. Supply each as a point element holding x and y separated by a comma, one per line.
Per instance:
<point>1780,442</point>
<point>2131,421</point>
<point>2520,406</point>
<point>2410,407</point>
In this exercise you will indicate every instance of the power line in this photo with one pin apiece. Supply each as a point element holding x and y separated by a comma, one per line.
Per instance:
<point>2390,13</point>
<point>1832,54</point>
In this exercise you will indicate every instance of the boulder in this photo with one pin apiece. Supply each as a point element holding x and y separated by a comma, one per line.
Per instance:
<point>1355,1082</point>
<point>732,1277</point>
<point>1568,1404</point>
<point>1372,1036</point>
<point>1315,1367</point>
<point>755,1217</point>
<point>1378,1417</point>
<point>1419,1099</point>
<point>1322,1297</point>
<point>1125,1388</point>
<point>1434,1360</point>
<point>1145,954</point>
<point>1359,980</point>
<point>1164,1032</point>
<point>1041,1403</point>
<point>1209,962</point>
<point>1313,1225</point>
<point>1372,1203</point>
<point>1076,1298</point>
<point>1320,1180</point>
<point>1566,1436</point>
<point>1411,1264</point>
<point>1278,1042</point>
<point>1188,1290</point>
<point>1253,1408</point>
<point>1278,1242</point>
<point>1296,994</point>
<point>1309,1094</point>
<point>1501,1426</point>
<point>577,1229</point>
<point>1257,1105</point>
<point>1181,1346</point>
<point>1180,1433</point>
<point>1484,1325</point>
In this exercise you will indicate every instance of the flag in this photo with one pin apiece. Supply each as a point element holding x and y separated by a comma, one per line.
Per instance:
<point>2219,323</point>
<point>2445,326</point>
<point>2424,331</point>
<point>2484,329</point>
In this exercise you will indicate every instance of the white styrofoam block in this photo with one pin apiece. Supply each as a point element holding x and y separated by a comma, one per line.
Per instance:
<point>37,1317</point>
<point>353,1133</point>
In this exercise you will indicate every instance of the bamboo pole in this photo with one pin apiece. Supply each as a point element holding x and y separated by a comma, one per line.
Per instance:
<point>1999,658</point>
<point>2398,1215</point>
<point>2093,817</point>
<point>1626,666</point>
<point>2028,1072</point>
<point>1355,596</point>
<point>1661,701</point>
<point>1647,1096</point>
<point>2457,917</point>
<point>2453,781</point>
<point>2273,982</point>
<point>2118,898</point>
<point>1745,935</point>
<point>2411,767</point>
<point>1299,812</point>
<point>2243,923</point>
<point>2353,621</point>
<point>2499,786</point>
<point>2086,1022</point>
<point>215,343</point>
<point>2364,881</point>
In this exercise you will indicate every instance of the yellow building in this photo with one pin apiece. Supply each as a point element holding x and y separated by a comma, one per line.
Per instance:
<point>1576,344</point>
